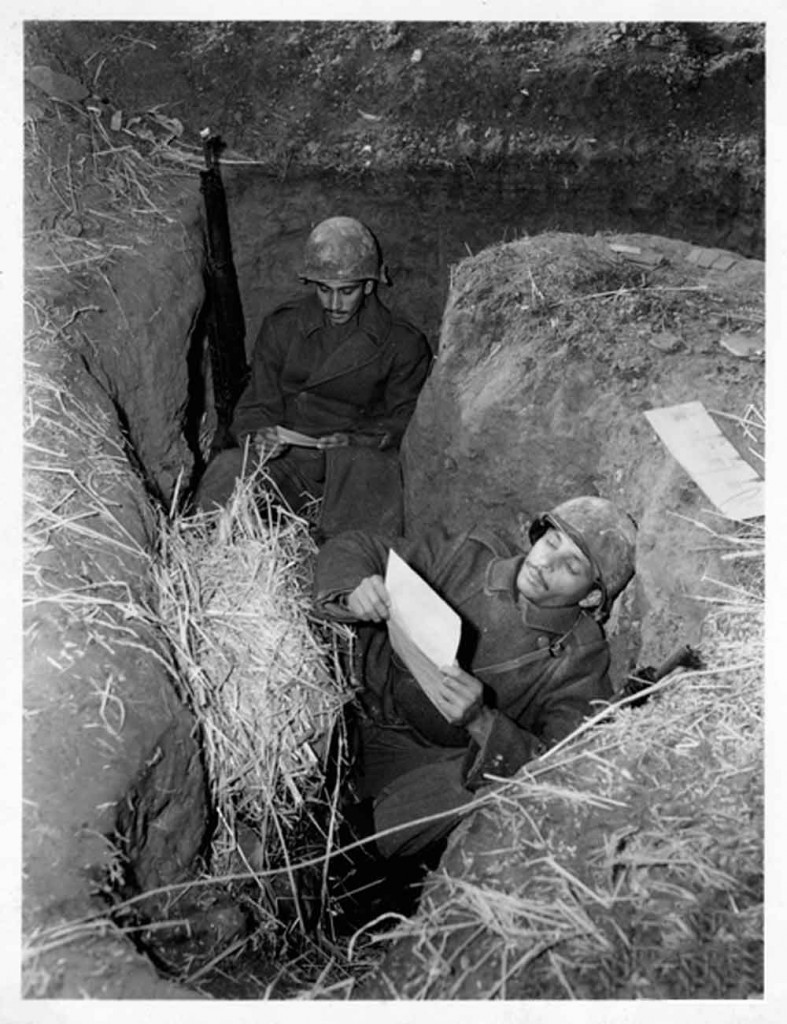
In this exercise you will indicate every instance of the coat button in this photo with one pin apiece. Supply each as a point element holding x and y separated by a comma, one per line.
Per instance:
<point>543,642</point>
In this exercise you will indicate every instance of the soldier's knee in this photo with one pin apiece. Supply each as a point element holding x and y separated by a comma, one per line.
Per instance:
<point>420,808</point>
<point>218,481</point>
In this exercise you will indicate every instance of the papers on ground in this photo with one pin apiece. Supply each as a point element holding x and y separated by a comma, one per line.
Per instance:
<point>694,439</point>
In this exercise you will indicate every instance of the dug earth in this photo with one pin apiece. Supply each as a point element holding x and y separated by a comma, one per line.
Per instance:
<point>551,347</point>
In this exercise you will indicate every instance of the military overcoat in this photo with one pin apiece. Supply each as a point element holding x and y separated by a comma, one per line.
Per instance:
<point>544,670</point>
<point>360,378</point>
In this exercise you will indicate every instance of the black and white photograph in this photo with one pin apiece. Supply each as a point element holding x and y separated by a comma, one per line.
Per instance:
<point>392,436</point>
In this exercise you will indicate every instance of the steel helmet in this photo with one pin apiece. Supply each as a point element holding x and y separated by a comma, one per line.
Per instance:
<point>341,250</point>
<point>605,533</point>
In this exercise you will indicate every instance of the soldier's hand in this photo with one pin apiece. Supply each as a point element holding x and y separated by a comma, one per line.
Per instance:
<point>333,441</point>
<point>370,601</point>
<point>267,442</point>
<point>462,695</point>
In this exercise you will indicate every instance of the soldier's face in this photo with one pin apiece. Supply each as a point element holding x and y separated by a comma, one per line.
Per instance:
<point>341,301</point>
<point>556,572</point>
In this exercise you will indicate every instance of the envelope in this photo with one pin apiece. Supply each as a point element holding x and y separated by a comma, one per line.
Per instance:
<point>295,437</point>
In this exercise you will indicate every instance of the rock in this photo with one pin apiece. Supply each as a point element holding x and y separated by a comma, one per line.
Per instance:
<point>33,110</point>
<point>59,87</point>
<point>744,345</point>
<point>665,341</point>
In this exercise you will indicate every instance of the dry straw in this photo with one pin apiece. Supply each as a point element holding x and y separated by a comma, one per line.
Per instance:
<point>264,680</point>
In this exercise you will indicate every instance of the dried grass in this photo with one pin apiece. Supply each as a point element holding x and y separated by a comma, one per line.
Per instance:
<point>264,681</point>
<point>90,184</point>
<point>69,502</point>
<point>125,157</point>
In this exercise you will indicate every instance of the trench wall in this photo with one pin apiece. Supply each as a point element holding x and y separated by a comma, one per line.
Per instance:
<point>102,726</point>
<point>132,367</point>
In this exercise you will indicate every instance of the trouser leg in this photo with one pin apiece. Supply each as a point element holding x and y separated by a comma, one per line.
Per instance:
<point>408,780</point>
<point>220,476</point>
<point>363,491</point>
<point>298,477</point>
<point>421,807</point>
<point>295,478</point>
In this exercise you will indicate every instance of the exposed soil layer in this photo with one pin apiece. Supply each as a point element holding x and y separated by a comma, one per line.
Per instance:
<point>553,350</point>
<point>447,138</point>
<point>657,128</point>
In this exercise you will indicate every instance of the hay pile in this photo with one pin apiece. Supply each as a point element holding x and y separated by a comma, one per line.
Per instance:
<point>264,680</point>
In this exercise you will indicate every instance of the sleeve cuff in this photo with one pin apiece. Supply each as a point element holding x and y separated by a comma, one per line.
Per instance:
<point>506,749</point>
<point>334,606</point>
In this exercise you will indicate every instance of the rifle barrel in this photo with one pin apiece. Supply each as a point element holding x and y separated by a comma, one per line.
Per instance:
<point>226,328</point>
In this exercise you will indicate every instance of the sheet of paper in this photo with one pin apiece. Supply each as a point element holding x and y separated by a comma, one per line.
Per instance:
<point>423,629</point>
<point>287,436</point>
<point>694,439</point>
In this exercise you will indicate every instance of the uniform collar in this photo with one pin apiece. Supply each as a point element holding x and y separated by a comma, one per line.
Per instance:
<point>501,577</point>
<point>373,318</point>
<point>501,574</point>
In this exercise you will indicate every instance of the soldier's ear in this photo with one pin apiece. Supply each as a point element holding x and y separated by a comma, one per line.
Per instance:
<point>368,287</point>
<point>591,600</point>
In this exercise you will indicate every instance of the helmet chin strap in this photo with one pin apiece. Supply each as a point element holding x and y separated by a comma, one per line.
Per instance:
<point>593,599</point>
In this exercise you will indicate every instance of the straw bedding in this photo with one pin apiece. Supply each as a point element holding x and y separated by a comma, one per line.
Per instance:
<point>265,681</point>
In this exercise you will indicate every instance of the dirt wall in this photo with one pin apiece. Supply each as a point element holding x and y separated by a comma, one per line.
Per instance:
<point>552,349</point>
<point>102,725</point>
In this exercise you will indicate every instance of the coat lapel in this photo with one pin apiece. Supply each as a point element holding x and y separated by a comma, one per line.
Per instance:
<point>360,348</point>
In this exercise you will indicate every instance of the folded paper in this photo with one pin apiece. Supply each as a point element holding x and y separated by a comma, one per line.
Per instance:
<point>423,630</point>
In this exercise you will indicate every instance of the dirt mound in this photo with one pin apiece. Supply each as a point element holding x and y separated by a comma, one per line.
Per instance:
<point>552,349</point>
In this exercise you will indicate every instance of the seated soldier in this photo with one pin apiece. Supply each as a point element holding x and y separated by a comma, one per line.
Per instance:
<point>339,368</point>
<point>534,657</point>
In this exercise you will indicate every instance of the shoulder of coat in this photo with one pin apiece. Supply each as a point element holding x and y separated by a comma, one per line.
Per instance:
<point>397,317</point>
<point>404,322</point>
<point>494,542</point>
<point>305,310</point>
<point>295,304</point>
<point>588,632</point>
